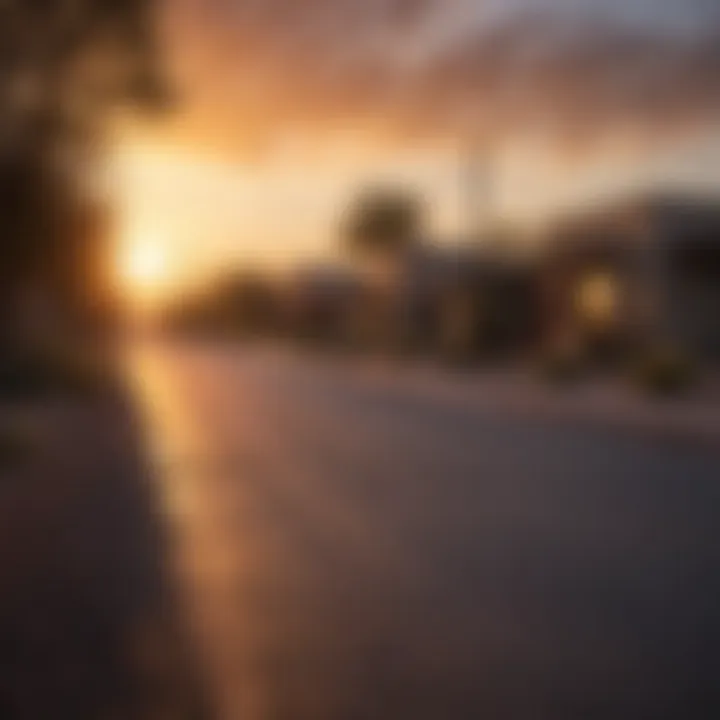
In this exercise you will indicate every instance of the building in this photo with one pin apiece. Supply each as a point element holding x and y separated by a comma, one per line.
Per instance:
<point>466,301</point>
<point>640,273</point>
<point>319,299</point>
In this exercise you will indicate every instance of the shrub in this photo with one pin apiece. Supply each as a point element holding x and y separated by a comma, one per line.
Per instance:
<point>663,372</point>
<point>52,371</point>
<point>561,366</point>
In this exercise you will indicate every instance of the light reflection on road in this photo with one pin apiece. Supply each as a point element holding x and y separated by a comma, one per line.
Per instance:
<point>344,552</point>
<point>245,521</point>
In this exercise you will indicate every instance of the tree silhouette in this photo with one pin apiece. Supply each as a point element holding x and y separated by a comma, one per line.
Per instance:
<point>383,222</point>
<point>66,66</point>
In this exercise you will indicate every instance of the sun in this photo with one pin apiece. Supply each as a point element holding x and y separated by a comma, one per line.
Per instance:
<point>143,266</point>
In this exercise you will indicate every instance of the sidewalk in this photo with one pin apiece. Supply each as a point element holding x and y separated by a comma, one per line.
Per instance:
<point>610,404</point>
<point>606,403</point>
<point>87,625</point>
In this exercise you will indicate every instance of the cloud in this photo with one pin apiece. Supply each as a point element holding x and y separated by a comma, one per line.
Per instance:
<point>572,70</point>
<point>573,75</point>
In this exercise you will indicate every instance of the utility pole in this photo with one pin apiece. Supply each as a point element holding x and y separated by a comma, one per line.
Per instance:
<point>477,189</point>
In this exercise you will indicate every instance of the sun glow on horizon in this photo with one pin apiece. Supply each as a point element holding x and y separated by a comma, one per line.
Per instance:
<point>143,267</point>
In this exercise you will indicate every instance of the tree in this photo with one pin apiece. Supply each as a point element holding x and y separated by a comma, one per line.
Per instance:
<point>383,222</point>
<point>66,66</point>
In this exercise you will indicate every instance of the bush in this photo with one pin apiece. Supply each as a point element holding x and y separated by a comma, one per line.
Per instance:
<point>561,366</point>
<point>52,371</point>
<point>663,372</point>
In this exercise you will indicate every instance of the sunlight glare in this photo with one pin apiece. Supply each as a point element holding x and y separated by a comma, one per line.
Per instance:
<point>143,266</point>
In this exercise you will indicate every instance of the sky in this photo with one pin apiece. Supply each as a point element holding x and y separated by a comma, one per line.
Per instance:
<point>285,108</point>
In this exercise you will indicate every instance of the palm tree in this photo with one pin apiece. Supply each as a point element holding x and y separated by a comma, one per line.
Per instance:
<point>382,228</point>
<point>383,223</point>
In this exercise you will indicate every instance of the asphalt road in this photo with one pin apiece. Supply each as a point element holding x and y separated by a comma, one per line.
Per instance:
<point>349,548</point>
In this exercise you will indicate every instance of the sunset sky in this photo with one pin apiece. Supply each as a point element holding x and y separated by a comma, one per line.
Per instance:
<point>286,107</point>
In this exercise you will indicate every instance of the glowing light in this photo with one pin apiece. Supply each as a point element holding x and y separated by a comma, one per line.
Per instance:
<point>143,266</point>
<point>598,298</point>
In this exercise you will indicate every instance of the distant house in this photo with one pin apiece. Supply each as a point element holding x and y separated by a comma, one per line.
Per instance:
<point>462,299</point>
<point>319,299</point>
<point>636,273</point>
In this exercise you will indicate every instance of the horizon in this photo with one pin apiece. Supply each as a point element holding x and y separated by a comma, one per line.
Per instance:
<point>300,109</point>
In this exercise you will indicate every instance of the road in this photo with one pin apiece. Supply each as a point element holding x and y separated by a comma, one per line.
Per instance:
<point>349,548</point>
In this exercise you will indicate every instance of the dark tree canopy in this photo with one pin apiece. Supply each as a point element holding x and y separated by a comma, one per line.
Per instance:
<point>383,221</point>
<point>65,67</point>
<point>64,64</point>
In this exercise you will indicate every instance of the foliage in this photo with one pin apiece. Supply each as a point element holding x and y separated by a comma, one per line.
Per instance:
<point>383,221</point>
<point>562,365</point>
<point>66,63</point>
<point>247,303</point>
<point>53,371</point>
<point>66,66</point>
<point>239,304</point>
<point>663,371</point>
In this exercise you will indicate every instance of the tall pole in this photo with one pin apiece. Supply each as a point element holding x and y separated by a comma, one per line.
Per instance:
<point>476,189</point>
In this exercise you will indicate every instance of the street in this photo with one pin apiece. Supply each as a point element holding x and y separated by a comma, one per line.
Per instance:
<point>347,548</point>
